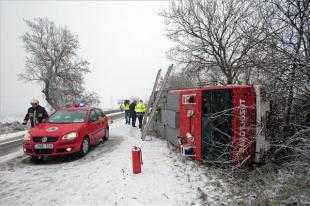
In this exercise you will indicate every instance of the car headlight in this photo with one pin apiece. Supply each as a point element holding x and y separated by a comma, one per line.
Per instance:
<point>27,137</point>
<point>70,136</point>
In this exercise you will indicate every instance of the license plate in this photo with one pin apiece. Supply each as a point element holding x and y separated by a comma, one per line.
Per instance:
<point>43,146</point>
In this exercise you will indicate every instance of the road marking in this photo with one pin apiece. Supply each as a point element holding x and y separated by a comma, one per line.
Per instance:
<point>12,141</point>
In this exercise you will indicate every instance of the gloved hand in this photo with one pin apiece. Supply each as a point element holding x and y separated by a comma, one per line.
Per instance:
<point>24,123</point>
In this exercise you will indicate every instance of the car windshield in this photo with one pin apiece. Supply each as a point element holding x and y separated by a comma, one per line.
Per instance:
<point>68,116</point>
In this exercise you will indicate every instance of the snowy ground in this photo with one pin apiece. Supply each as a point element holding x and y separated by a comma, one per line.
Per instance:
<point>105,176</point>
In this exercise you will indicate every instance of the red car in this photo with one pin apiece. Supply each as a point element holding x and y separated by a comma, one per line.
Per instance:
<point>67,131</point>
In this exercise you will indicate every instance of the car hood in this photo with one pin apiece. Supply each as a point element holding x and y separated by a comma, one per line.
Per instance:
<point>54,130</point>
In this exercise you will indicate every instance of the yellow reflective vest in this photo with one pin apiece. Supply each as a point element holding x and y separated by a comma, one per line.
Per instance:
<point>140,108</point>
<point>125,107</point>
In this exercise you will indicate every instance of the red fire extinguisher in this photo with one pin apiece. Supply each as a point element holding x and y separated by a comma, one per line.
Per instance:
<point>136,159</point>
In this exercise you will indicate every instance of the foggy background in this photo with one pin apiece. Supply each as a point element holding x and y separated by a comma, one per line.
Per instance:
<point>124,42</point>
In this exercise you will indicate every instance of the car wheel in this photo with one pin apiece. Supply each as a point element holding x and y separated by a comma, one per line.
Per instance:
<point>84,147</point>
<point>106,135</point>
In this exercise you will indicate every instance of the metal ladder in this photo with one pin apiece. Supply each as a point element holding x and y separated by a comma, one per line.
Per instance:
<point>151,100</point>
<point>147,122</point>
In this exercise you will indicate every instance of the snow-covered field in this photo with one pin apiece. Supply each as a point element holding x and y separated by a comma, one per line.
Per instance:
<point>7,127</point>
<point>12,118</point>
<point>104,177</point>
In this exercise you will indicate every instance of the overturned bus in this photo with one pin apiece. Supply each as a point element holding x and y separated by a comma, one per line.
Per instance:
<point>224,124</point>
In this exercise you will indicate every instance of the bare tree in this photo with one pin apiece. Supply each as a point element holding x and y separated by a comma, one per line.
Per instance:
<point>52,62</point>
<point>286,67</point>
<point>178,80</point>
<point>214,35</point>
<point>284,58</point>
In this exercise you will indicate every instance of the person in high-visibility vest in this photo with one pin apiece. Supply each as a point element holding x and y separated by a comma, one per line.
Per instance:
<point>125,107</point>
<point>140,110</point>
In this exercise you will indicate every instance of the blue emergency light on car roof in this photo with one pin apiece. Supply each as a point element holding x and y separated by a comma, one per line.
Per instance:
<point>81,103</point>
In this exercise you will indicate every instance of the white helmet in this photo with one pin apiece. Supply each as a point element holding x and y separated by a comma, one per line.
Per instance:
<point>34,101</point>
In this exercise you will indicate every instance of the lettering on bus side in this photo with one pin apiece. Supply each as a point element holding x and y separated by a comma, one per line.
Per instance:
<point>242,133</point>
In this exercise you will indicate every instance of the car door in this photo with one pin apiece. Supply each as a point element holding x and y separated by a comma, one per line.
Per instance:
<point>102,120</point>
<point>94,126</point>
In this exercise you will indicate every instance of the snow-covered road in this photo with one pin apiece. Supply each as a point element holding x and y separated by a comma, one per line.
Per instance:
<point>104,177</point>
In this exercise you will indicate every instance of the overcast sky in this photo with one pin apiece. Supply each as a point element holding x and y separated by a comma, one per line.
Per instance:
<point>124,41</point>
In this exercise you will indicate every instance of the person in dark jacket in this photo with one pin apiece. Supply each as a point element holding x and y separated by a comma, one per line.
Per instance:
<point>36,114</point>
<point>132,112</point>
